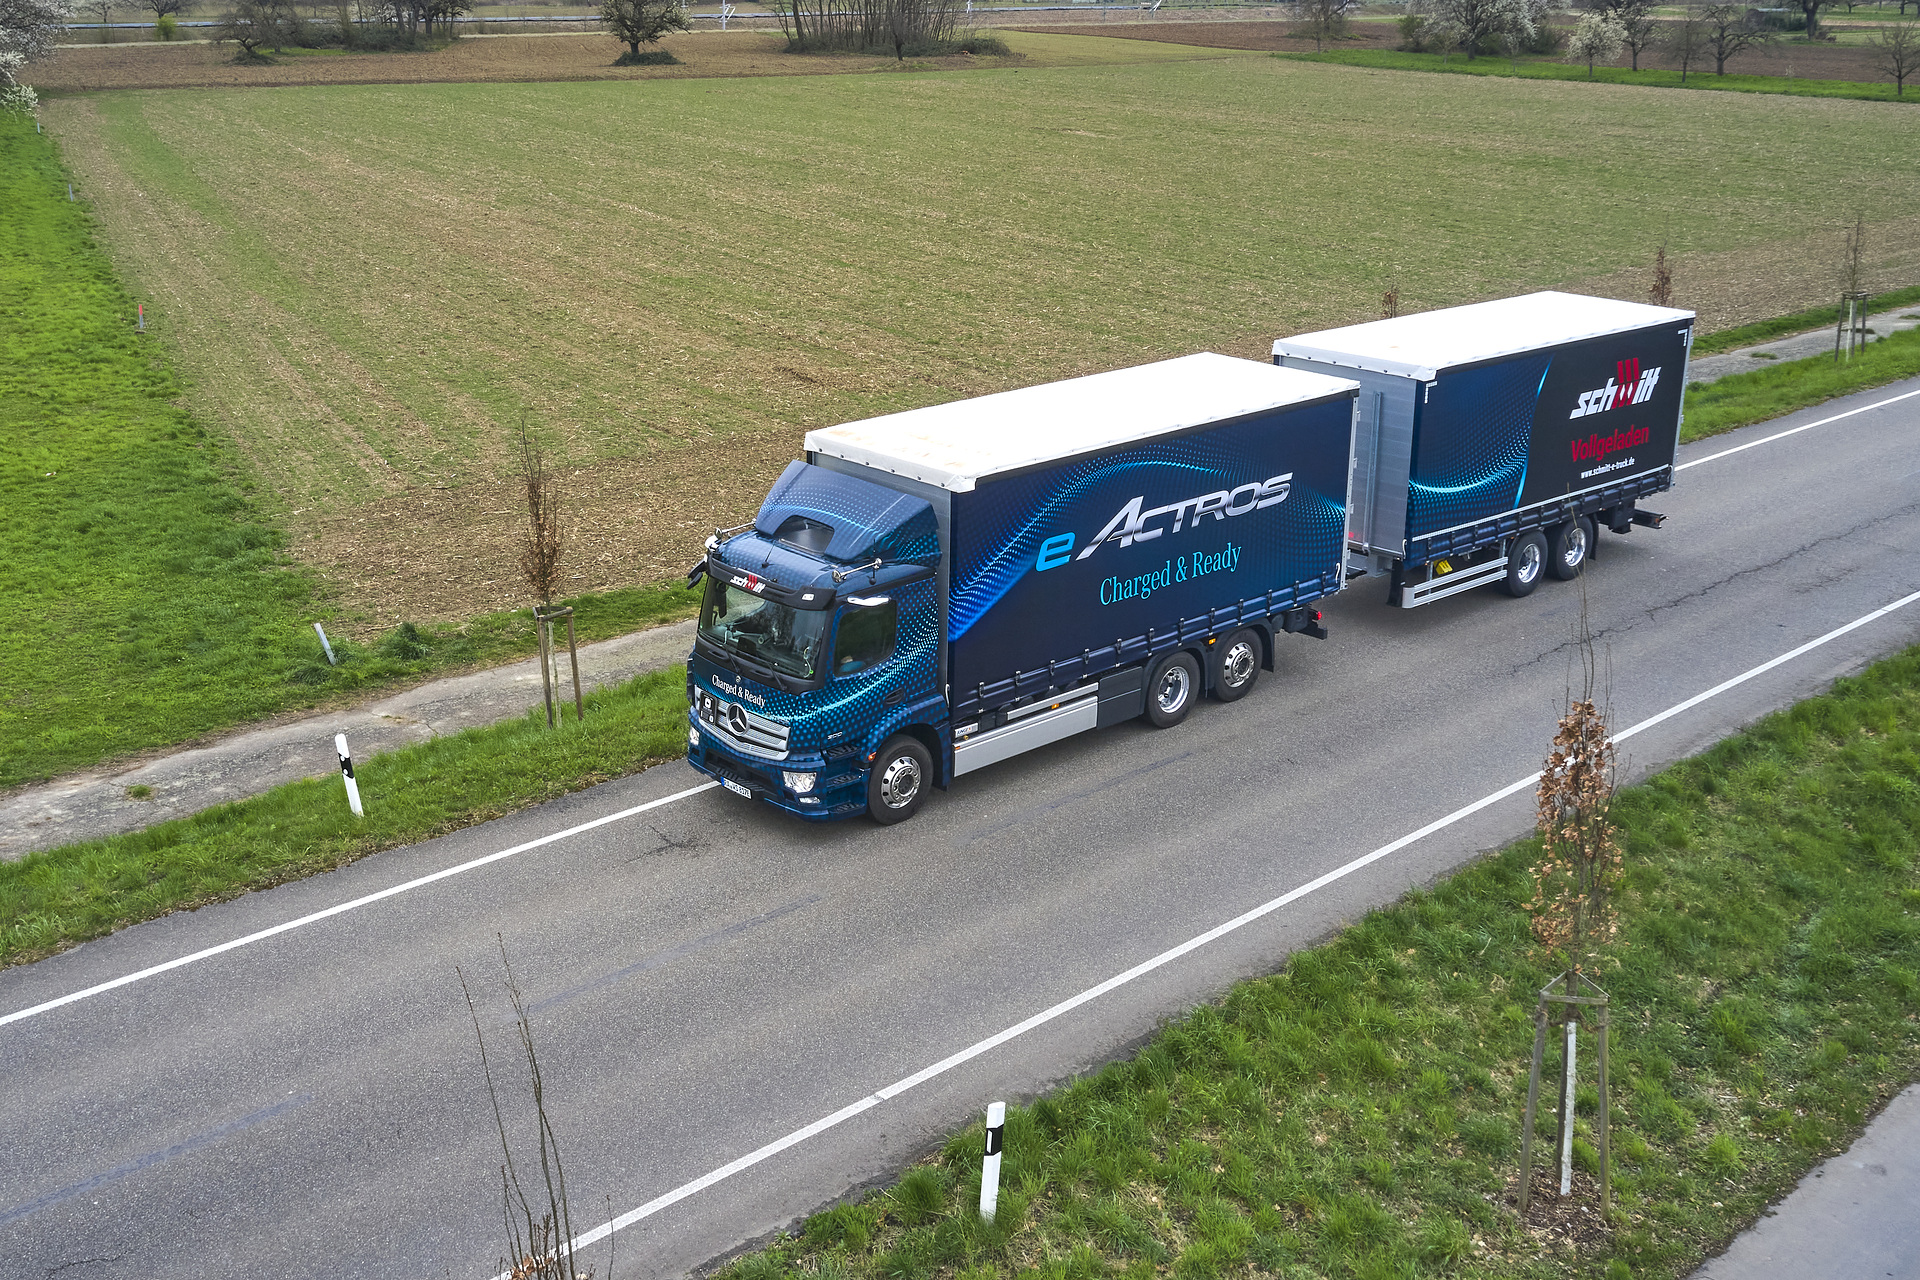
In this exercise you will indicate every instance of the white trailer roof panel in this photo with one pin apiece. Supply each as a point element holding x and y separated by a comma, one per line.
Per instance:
<point>956,445</point>
<point>1419,346</point>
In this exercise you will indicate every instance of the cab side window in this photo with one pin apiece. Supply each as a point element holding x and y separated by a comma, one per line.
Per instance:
<point>866,637</point>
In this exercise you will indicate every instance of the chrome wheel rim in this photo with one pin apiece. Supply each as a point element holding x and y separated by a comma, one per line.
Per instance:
<point>1237,667</point>
<point>1529,562</point>
<point>1172,694</point>
<point>1576,547</point>
<point>900,782</point>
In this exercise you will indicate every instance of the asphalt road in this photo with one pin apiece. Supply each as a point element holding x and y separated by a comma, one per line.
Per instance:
<point>707,976</point>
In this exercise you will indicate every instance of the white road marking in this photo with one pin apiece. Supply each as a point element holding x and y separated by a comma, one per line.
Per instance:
<point>1168,956</point>
<point>1794,431</point>
<point>168,966</point>
<point>342,907</point>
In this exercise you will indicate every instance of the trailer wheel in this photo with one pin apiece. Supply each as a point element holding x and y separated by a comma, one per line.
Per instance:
<point>1171,685</point>
<point>1568,547</point>
<point>1236,664</point>
<point>1526,559</point>
<point>897,785</point>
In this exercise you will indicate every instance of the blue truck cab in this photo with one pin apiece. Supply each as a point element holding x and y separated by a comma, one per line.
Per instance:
<point>932,592</point>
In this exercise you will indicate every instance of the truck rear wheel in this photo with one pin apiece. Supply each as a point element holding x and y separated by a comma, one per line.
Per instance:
<point>1567,548</point>
<point>897,784</point>
<point>1236,664</point>
<point>1171,685</point>
<point>1526,561</point>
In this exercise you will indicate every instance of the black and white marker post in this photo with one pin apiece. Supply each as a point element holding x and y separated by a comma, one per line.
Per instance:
<point>346,772</point>
<point>990,1165</point>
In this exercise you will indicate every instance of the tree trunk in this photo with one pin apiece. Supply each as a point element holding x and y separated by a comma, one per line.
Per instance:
<point>1813,20</point>
<point>633,47</point>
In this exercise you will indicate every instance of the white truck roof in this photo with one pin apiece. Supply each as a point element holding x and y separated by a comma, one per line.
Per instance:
<point>1419,346</point>
<point>957,444</point>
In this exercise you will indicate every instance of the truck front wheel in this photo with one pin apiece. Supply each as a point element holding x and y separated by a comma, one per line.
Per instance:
<point>1236,664</point>
<point>1567,548</point>
<point>1526,560</point>
<point>897,785</point>
<point>1171,685</point>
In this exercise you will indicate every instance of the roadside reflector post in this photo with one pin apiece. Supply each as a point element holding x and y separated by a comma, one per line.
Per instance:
<point>141,327</point>
<point>346,772</point>
<point>321,632</point>
<point>990,1164</point>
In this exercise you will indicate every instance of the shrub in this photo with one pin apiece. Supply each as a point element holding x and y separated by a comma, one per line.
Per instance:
<point>166,28</point>
<point>647,58</point>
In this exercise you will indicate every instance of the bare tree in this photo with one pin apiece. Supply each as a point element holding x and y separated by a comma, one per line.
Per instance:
<point>1323,20</point>
<point>1661,294</point>
<point>1896,50</point>
<point>543,542</point>
<point>163,8</point>
<point>1597,38</point>
<point>869,24</point>
<point>1638,30</point>
<point>538,1248</point>
<point>104,10</point>
<point>1727,31</point>
<point>1686,40</point>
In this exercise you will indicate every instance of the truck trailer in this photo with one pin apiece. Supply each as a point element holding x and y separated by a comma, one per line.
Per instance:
<point>1497,439</point>
<point>931,592</point>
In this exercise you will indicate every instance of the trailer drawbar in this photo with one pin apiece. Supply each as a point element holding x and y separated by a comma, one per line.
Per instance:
<point>932,592</point>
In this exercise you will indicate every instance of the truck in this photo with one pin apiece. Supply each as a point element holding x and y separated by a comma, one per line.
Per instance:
<point>1497,439</point>
<point>931,592</point>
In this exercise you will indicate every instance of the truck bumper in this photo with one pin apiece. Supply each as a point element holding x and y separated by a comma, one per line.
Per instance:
<point>845,796</point>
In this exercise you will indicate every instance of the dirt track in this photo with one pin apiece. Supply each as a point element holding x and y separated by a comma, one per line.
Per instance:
<point>1804,61</point>
<point>505,59</point>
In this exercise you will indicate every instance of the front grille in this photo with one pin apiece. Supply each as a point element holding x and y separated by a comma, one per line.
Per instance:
<point>742,728</point>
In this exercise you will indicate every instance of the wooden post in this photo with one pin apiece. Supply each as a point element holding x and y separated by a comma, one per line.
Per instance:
<point>546,676</point>
<point>573,656</point>
<point>1606,1116</point>
<point>1533,1102</point>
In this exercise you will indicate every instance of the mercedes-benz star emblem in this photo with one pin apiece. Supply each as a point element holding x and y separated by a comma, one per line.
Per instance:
<point>737,719</point>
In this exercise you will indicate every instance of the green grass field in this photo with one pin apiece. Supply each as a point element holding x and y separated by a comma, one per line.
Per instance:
<point>1542,69</point>
<point>137,577</point>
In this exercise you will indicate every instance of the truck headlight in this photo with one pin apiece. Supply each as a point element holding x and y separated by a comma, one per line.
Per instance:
<point>799,783</point>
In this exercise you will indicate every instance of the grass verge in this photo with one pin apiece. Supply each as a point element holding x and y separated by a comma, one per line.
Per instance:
<point>1357,1115</point>
<point>1455,64</point>
<point>52,900</point>
<point>144,597</point>
<point>1748,335</point>
<point>1741,399</point>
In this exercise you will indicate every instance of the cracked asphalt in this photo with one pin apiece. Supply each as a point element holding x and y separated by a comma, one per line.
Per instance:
<point>710,976</point>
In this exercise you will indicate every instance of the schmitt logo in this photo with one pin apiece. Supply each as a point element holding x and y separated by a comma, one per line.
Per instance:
<point>1629,386</point>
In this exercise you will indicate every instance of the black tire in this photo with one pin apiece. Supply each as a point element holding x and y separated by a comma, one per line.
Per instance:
<point>1173,683</point>
<point>1568,546</point>
<point>1234,664</point>
<point>1526,562</point>
<point>898,783</point>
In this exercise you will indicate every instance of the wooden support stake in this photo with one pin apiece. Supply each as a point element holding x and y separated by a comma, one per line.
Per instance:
<point>1533,1103</point>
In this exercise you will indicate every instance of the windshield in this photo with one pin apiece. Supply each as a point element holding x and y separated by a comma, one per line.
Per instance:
<point>761,630</point>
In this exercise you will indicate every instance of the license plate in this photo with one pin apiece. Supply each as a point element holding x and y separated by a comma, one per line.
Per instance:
<point>736,788</point>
